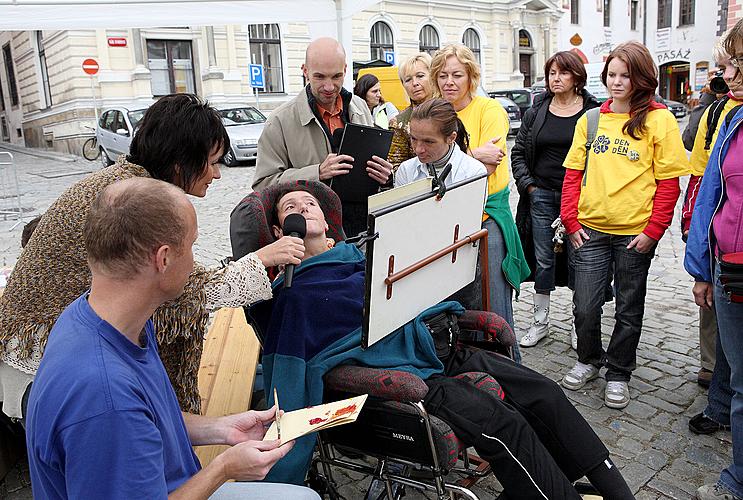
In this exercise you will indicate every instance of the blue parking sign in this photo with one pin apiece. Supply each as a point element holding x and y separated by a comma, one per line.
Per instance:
<point>389,57</point>
<point>256,76</point>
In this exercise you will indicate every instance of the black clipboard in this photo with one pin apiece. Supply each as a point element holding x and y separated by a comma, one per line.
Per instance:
<point>361,143</point>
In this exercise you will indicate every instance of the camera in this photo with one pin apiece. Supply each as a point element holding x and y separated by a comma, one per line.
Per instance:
<point>718,85</point>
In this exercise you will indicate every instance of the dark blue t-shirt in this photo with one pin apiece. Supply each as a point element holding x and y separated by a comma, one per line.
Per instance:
<point>103,419</point>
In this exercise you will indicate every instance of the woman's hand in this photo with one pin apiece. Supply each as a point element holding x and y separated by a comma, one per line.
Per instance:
<point>578,238</point>
<point>642,243</point>
<point>286,250</point>
<point>379,169</point>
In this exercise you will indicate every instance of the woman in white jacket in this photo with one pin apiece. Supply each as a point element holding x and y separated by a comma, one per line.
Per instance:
<point>437,137</point>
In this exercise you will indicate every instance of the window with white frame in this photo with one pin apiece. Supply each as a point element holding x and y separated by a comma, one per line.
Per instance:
<point>47,90</point>
<point>381,40</point>
<point>607,13</point>
<point>171,66</point>
<point>265,49</point>
<point>686,13</point>
<point>664,13</point>
<point>634,6</point>
<point>574,8</point>
<point>472,40</point>
<point>428,40</point>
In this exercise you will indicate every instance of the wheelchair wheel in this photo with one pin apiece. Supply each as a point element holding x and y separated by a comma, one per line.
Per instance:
<point>90,149</point>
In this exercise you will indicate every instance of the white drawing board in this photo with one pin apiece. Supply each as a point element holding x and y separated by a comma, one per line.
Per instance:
<point>409,232</point>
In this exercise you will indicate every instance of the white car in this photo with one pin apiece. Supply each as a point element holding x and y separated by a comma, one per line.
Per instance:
<point>244,125</point>
<point>115,130</point>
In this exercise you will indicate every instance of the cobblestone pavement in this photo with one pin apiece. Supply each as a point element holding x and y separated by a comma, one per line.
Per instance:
<point>649,440</point>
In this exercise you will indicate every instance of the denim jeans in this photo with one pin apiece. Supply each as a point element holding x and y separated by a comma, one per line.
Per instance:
<point>720,394</point>
<point>500,290</point>
<point>729,319</point>
<point>545,208</point>
<point>592,262</point>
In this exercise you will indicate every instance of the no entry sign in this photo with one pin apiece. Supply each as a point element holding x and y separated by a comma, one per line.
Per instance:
<point>90,66</point>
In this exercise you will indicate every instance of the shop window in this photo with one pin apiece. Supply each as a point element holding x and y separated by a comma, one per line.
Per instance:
<point>46,88</point>
<point>381,40</point>
<point>171,66</point>
<point>428,40</point>
<point>10,74</point>
<point>265,49</point>
<point>686,13</point>
<point>664,13</point>
<point>574,8</point>
<point>472,40</point>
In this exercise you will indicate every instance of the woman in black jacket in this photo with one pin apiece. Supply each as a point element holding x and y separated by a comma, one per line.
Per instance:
<point>536,159</point>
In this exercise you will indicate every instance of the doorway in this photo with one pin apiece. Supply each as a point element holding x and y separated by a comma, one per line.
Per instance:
<point>674,81</point>
<point>525,68</point>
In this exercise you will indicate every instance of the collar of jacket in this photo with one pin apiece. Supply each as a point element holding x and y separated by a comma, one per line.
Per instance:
<point>307,113</point>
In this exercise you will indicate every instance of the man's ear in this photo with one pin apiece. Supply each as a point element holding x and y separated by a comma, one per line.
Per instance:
<point>277,232</point>
<point>162,258</point>
<point>305,72</point>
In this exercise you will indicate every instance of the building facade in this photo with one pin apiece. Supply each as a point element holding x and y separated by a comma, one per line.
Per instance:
<point>49,101</point>
<point>680,35</point>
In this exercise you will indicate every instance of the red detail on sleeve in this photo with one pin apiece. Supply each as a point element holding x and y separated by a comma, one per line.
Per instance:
<point>666,194</point>
<point>692,191</point>
<point>570,197</point>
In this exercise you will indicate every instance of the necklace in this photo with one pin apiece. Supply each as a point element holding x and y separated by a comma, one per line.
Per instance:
<point>565,106</point>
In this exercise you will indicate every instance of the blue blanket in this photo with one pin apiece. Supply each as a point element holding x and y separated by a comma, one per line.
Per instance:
<point>314,326</point>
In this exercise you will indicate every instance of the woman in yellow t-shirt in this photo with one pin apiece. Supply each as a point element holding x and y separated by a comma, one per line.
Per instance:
<point>615,208</point>
<point>457,75</point>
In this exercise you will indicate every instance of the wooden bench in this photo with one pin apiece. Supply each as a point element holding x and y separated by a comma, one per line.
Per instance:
<point>227,370</point>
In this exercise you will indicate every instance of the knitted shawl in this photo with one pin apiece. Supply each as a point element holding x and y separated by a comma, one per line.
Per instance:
<point>53,271</point>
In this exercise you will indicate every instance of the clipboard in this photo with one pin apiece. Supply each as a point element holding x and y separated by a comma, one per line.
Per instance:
<point>360,142</point>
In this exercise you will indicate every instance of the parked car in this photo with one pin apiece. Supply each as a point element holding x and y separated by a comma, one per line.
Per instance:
<point>514,113</point>
<point>115,130</point>
<point>244,125</point>
<point>522,97</point>
<point>678,109</point>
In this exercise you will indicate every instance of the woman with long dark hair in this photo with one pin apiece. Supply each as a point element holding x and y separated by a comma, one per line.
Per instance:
<point>616,205</point>
<point>370,90</point>
<point>537,158</point>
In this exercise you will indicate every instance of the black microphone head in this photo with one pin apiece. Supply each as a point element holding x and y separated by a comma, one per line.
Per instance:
<point>295,224</point>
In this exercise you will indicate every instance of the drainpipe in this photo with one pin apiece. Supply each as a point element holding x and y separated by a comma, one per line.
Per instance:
<point>645,22</point>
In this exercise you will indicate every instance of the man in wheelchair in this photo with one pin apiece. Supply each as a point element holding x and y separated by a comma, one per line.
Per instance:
<point>535,440</point>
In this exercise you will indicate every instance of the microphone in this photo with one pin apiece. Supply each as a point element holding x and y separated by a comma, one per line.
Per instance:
<point>294,225</point>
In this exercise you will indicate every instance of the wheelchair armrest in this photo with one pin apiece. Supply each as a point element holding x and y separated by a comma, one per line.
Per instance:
<point>394,385</point>
<point>493,326</point>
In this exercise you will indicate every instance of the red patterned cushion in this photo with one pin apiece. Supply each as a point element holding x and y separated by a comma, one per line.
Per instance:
<point>494,327</point>
<point>484,382</point>
<point>385,384</point>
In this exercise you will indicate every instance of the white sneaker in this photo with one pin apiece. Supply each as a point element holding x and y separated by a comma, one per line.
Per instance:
<point>579,375</point>
<point>616,394</point>
<point>536,333</point>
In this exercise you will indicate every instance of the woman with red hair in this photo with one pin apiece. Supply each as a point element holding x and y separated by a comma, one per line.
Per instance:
<point>618,199</point>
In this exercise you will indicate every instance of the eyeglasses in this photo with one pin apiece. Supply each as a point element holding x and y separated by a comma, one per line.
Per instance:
<point>737,62</point>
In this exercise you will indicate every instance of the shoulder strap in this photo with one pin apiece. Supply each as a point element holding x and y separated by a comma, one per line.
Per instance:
<point>729,117</point>
<point>592,126</point>
<point>713,118</point>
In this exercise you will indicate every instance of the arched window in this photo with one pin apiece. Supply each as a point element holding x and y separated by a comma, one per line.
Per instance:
<point>381,40</point>
<point>472,40</point>
<point>265,49</point>
<point>428,40</point>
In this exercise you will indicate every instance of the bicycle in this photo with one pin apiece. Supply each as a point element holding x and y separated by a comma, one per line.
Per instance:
<point>91,151</point>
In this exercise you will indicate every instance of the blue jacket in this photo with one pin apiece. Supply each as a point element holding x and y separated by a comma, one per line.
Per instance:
<point>699,259</point>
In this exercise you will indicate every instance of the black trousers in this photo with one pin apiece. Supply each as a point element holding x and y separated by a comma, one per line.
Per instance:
<point>535,440</point>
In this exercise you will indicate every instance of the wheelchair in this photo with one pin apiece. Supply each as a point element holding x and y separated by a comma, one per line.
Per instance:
<point>394,430</point>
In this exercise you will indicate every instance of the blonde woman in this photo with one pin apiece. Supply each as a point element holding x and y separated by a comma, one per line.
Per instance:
<point>457,75</point>
<point>415,76</point>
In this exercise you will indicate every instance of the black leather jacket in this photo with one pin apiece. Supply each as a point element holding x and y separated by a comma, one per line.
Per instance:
<point>522,154</point>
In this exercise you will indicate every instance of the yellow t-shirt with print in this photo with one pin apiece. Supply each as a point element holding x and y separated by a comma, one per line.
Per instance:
<point>485,119</point>
<point>619,186</point>
<point>699,157</point>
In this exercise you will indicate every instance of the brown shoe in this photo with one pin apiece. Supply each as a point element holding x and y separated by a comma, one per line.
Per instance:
<point>704,377</point>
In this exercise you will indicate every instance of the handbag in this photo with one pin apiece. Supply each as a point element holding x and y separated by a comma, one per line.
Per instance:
<point>731,275</point>
<point>444,329</point>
